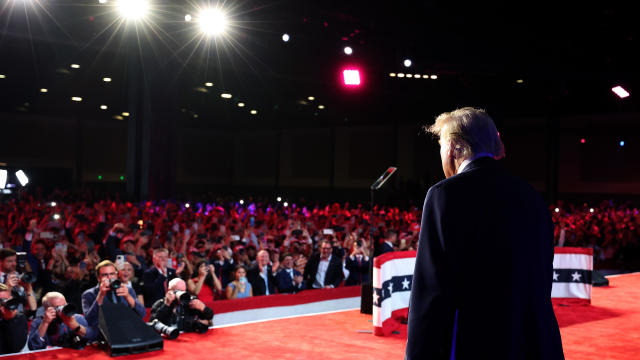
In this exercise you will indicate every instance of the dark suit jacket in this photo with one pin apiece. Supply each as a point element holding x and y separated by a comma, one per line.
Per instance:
<point>257,282</point>
<point>153,284</point>
<point>285,282</point>
<point>334,275</point>
<point>358,271</point>
<point>483,270</point>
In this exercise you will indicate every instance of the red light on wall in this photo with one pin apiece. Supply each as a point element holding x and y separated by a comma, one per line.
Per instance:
<point>351,77</point>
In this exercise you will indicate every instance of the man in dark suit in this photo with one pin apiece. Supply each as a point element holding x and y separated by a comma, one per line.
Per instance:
<point>288,279</point>
<point>323,270</point>
<point>481,220</point>
<point>156,279</point>
<point>261,276</point>
<point>93,298</point>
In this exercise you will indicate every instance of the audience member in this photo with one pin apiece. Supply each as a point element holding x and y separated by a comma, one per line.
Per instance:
<point>239,287</point>
<point>323,270</point>
<point>59,325</point>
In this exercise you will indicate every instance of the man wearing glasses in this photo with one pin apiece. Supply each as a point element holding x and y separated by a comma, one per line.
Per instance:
<point>109,291</point>
<point>323,270</point>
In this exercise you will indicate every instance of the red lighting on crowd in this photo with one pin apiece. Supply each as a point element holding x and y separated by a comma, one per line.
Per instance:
<point>351,77</point>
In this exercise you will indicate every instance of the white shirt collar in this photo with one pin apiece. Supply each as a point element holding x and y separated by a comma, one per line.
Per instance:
<point>467,161</point>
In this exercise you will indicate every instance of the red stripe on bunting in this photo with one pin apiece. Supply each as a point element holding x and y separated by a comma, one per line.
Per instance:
<point>573,250</point>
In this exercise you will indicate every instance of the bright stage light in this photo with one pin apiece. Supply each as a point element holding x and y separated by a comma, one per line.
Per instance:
<point>348,50</point>
<point>311,98</point>
<point>3,178</point>
<point>133,9</point>
<point>321,107</point>
<point>434,77</point>
<point>43,90</point>
<point>208,84</point>
<point>3,76</point>
<point>254,112</point>
<point>106,79</point>
<point>407,63</point>
<point>241,202</point>
<point>400,75</point>
<point>53,204</point>
<point>104,107</point>
<point>392,74</point>
<point>56,216</point>
<point>186,205</point>
<point>187,18</point>
<point>620,91</point>
<point>240,104</point>
<point>351,77</point>
<point>125,113</point>
<point>22,177</point>
<point>212,22</point>
<point>102,1</point>
<point>76,98</point>
<point>285,37</point>
<point>75,66</point>
<point>226,96</point>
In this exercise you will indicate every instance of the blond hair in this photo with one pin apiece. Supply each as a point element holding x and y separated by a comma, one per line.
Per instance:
<point>472,130</point>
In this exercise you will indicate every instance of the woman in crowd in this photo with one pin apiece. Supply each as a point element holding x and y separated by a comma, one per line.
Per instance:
<point>126,276</point>
<point>239,287</point>
<point>203,283</point>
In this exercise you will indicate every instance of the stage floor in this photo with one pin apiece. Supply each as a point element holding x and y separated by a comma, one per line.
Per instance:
<point>608,329</point>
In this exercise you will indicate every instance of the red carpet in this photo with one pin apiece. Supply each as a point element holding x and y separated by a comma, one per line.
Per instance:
<point>608,329</point>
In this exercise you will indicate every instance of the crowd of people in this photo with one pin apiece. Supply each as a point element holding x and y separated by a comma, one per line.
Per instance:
<point>61,259</point>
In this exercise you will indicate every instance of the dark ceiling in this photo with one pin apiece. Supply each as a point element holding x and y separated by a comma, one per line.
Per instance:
<point>568,56</point>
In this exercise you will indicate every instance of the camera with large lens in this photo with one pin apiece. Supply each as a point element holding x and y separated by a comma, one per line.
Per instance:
<point>171,332</point>
<point>184,297</point>
<point>115,284</point>
<point>12,303</point>
<point>26,277</point>
<point>66,310</point>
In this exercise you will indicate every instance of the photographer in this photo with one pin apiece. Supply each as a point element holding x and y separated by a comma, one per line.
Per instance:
<point>15,274</point>
<point>13,324</point>
<point>59,325</point>
<point>182,310</point>
<point>358,264</point>
<point>109,289</point>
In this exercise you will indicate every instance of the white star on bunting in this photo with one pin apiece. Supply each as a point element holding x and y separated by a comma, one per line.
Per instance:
<point>405,283</point>
<point>576,276</point>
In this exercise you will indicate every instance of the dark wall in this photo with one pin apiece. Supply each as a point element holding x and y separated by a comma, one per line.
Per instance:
<point>346,159</point>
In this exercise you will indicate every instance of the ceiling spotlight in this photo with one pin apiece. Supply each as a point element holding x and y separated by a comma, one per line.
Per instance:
<point>106,79</point>
<point>56,216</point>
<point>591,210</point>
<point>3,76</point>
<point>400,75</point>
<point>43,90</point>
<point>348,50</point>
<point>124,113</point>
<point>621,143</point>
<point>213,22</point>
<point>392,74</point>
<point>225,95</point>
<point>279,199</point>
<point>320,107</point>
<point>133,9</point>
<point>241,202</point>
<point>285,37</point>
<point>3,178</point>
<point>311,98</point>
<point>118,117</point>
<point>351,77</point>
<point>557,210</point>
<point>407,63</point>
<point>240,104</point>
<point>102,1</point>
<point>434,77</point>
<point>208,84</point>
<point>75,66</point>
<point>409,75</point>
<point>620,91</point>
<point>187,205</point>
<point>22,177</point>
<point>76,98</point>
<point>417,76</point>
<point>187,18</point>
<point>285,204</point>
<point>53,204</point>
<point>253,112</point>
<point>519,81</point>
<point>103,107</point>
